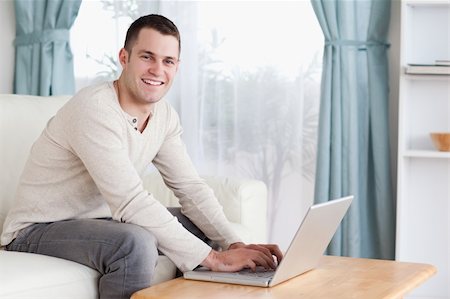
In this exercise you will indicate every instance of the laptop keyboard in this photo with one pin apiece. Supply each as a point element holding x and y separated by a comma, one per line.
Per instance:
<point>260,272</point>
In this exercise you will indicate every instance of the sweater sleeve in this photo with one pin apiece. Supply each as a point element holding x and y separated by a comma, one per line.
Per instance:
<point>97,135</point>
<point>197,199</point>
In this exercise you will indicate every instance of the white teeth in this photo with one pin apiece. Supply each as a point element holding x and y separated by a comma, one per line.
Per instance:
<point>154,83</point>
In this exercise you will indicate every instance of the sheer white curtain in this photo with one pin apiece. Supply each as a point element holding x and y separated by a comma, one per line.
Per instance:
<point>247,90</point>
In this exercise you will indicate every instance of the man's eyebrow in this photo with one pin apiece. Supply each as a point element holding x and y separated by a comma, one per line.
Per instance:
<point>153,54</point>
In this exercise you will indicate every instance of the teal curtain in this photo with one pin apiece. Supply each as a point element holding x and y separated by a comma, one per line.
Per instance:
<point>353,147</point>
<point>44,63</point>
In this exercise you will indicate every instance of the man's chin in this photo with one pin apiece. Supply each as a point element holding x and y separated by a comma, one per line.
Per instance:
<point>150,101</point>
<point>147,98</point>
<point>152,96</point>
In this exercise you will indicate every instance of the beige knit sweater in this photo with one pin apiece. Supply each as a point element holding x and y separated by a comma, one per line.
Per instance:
<point>89,161</point>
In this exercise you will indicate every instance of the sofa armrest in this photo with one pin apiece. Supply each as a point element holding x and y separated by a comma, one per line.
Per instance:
<point>244,202</point>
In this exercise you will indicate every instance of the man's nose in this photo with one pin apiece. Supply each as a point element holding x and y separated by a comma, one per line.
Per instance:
<point>155,67</point>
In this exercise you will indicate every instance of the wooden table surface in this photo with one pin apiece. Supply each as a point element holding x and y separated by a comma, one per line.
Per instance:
<point>335,277</point>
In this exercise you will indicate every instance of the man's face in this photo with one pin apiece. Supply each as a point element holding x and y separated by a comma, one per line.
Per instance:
<point>148,71</point>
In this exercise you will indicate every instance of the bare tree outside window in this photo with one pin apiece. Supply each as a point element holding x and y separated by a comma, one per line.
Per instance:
<point>265,131</point>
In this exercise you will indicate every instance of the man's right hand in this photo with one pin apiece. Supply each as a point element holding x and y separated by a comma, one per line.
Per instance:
<point>233,260</point>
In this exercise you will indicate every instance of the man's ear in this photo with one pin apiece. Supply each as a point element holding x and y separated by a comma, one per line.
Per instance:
<point>123,57</point>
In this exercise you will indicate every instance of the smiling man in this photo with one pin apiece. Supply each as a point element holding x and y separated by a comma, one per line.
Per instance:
<point>81,195</point>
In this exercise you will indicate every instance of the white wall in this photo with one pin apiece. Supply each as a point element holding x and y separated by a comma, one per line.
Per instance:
<point>7,32</point>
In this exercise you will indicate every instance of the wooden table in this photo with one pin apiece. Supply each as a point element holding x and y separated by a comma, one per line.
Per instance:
<point>335,277</point>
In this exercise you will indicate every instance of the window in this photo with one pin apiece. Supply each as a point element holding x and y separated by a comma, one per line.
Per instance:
<point>247,90</point>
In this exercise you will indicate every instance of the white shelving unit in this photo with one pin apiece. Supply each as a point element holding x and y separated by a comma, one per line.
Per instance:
<point>423,198</point>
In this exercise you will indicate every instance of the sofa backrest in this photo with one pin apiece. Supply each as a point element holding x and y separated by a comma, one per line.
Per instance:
<point>22,119</point>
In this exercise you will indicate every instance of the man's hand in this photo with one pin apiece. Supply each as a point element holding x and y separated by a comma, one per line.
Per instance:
<point>240,255</point>
<point>269,250</point>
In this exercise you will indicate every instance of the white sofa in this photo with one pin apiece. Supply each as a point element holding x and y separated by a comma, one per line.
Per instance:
<point>25,275</point>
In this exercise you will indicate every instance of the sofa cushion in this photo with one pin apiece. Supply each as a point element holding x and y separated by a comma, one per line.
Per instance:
<point>27,275</point>
<point>165,270</point>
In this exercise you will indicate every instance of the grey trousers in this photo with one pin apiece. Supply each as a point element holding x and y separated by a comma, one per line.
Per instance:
<point>124,254</point>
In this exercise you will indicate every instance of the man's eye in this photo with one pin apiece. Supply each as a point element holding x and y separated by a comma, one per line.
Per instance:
<point>171,62</point>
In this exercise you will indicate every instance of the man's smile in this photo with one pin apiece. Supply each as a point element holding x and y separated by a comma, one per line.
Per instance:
<point>152,82</point>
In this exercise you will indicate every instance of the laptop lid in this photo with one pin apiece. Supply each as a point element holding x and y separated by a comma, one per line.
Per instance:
<point>304,252</point>
<point>312,238</point>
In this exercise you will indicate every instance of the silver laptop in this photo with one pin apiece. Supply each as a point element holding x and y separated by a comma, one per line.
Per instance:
<point>313,236</point>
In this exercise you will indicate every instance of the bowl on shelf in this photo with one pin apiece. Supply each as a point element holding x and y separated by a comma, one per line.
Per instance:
<point>441,141</point>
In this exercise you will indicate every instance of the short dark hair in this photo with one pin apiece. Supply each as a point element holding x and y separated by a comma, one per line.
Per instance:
<point>160,23</point>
